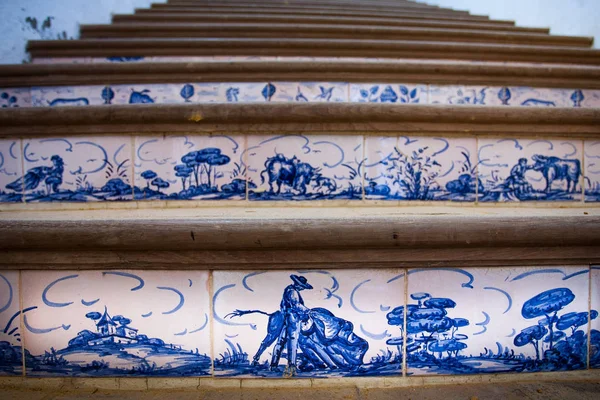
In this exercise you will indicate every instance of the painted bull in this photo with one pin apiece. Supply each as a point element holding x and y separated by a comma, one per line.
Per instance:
<point>557,169</point>
<point>291,172</point>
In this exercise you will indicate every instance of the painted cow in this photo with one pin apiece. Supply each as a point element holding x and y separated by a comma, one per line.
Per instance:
<point>291,172</point>
<point>557,169</point>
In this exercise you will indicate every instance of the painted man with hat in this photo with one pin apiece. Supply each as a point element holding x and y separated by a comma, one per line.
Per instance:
<point>295,312</point>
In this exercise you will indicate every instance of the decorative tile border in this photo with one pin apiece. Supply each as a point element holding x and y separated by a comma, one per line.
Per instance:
<point>298,168</point>
<point>304,324</point>
<point>248,92</point>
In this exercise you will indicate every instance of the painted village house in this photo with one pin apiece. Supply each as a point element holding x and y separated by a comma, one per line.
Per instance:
<point>303,189</point>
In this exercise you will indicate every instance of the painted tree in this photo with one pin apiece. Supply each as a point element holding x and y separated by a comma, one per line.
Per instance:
<point>548,304</point>
<point>574,320</point>
<point>121,320</point>
<point>93,315</point>
<point>187,91</point>
<point>213,162</point>
<point>184,172</point>
<point>160,184</point>
<point>148,175</point>
<point>192,162</point>
<point>107,95</point>
<point>531,335</point>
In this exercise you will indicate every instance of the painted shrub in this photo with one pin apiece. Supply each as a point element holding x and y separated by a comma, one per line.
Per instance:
<point>11,169</point>
<point>592,170</point>
<point>133,323</point>
<point>11,356</point>
<point>477,320</point>
<point>305,323</point>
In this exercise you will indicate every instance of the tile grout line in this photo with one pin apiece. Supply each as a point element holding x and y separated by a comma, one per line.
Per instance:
<point>476,203</point>
<point>211,322</point>
<point>405,323</point>
<point>21,148</point>
<point>589,327</point>
<point>247,169</point>
<point>132,171</point>
<point>21,323</point>
<point>582,178</point>
<point>363,160</point>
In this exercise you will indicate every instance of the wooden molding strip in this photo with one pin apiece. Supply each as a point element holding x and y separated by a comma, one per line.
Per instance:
<point>393,71</point>
<point>339,3</point>
<point>283,237</point>
<point>325,31</point>
<point>344,118</point>
<point>120,19</point>
<point>312,48</point>
<point>351,7</point>
<point>217,10</point>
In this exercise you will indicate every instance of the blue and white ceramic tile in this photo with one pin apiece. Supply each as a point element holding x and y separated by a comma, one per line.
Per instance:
<point>591,99</point>
<point>71,96</point>
<point>132,323</point>
<point>149,94</point>
<point>311,92</point>
<point>388,93</point>
<point>11,354</point>
<point>530,170</point>
<point>235,92</point>
<point>595,323</point>
<point>190,167</point>
<point>307,324</point>
<point>533,97</point>
<point>96,168</point>
<point>489,320</point>
<point>297,167</point>
<point>459,95</point>
<point>592,170</point>
<point>15,97</point>
<point>11,171</point>
<point>421,168</point>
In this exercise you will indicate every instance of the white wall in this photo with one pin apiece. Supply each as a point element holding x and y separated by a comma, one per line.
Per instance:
<point>67,15</point>
<point>563,17</point>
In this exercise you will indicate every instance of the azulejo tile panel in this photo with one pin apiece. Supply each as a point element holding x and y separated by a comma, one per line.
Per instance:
<point>15,97</point>
<point>480,320</point>
<point>190,167</point>
<point>592,170</point>
<point>420,168</point>
<point>11,171</point>
<point>595,323</point>
<point>389,93</point>
<point>70,96</point>
<point>128,323</point>
<point>76,169</point>
<point>11,337</point>
<point>459,95</point>
<point>530,170</point>
<point>297,167</point>
<point>311,92</point>
<point>314,323</point>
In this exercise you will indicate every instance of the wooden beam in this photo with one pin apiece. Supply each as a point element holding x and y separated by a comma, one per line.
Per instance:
<point>312,48</point>
<point>342,118</point>
<point>393,71</point>
<point>325,31</point>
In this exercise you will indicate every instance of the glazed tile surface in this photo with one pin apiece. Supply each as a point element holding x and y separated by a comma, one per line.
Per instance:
<point>132,323</point>
<point>311,92</point>
<point>530,170</point>
<point>11,171</point>
<point>296,167</point>
<point>11,336</point>
<point>70,96</point>
<point>534,97</point>
<point>595,323</point>
<point>592,170</point>
<point>190,167</point>
<point>480,320</point>
<point>15,97</point>
<point>388,93</point>
<point>420,168</point>
<point>77,169</point>
<point>334,321</point>
<point>459,95</point>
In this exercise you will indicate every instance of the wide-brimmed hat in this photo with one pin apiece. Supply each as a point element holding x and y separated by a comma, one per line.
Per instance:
<point>301,281</point>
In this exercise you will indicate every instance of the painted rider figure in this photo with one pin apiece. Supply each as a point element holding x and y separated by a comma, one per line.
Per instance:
<point>516,181</point>
<point>295,313</point>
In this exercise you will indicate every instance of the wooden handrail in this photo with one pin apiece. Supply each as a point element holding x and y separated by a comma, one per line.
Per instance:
<point>393,71</point>
<point>325,31</point>
<point>312,48</point>
<point>324,118</point>
<point>119,19</point>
